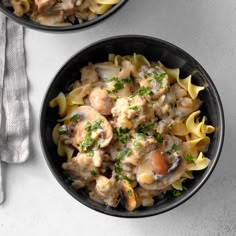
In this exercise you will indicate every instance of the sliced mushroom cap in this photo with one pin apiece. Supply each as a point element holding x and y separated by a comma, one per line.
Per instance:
<point>151,177</point>
<point>44,5</point>
<point>107,70</point>
<point>101,101</point>
<point>128,198</point>
<point>88,73</point>
<point>90,115</point>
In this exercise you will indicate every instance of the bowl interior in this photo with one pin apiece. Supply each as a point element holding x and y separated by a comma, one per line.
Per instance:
<point>153,49</point>
<point>25,20</point>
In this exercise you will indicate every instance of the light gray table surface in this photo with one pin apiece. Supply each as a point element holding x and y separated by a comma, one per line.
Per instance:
<point>37,205</point>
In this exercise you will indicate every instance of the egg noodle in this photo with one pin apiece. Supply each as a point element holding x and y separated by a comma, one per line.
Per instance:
<point>131,131</point>
<point>61,12</point>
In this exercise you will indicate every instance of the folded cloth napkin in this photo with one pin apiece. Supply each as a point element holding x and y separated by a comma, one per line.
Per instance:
<point>14,102</point>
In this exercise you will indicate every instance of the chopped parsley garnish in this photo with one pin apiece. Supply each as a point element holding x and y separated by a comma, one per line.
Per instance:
<point>117,169</point>
<point>136,143</point>
<point>97,124</point>
<point>127,179</point>
<point>129,80</point>
<point>93,173</point>
<point>75,117</point>
<point>62,130</point>
<point>88,126</point>
<point>159,138</point>
<point>175,148</point>
<point>164,84</point>
<point>144,91</point>
<point>134,108</point>
<point>88,142</point>
<point>145,128</point>
<point>177,193</point>
<point>157,77</point>
<point>93,127</point>
<point>123,154</point>
<point>141,136</point>
<point>118,85</point>
<point>122,134</point>
<point>129,192</point>
<point>169,127</point>
<point>189,157</point>
<point>91,153</point>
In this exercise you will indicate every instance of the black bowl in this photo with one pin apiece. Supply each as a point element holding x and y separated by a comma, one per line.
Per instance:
<point>154,49</point>
<point>27,22</point>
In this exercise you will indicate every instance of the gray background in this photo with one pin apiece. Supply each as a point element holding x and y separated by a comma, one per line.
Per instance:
<point>37,205</point>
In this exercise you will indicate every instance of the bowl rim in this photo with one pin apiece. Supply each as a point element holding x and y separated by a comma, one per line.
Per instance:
<point>209,170</point>
<point>61,29</point>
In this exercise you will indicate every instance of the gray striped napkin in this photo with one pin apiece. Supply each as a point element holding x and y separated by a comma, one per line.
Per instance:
<point>14,102</point>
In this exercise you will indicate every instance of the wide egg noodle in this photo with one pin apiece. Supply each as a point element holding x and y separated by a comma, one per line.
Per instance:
<point>59,101</point>
<point>76,96</point>
<point>199,164</point>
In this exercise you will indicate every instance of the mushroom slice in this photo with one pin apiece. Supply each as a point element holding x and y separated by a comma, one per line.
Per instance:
<point>101,129</point>
<point>156,172</point>
<point>44,5</point>
<point>128,198</point>
<point>107,70</point>
<point>88,73</point>
<point>101,101</point>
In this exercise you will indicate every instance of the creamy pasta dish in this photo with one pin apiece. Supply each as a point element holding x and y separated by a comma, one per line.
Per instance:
<point>61,12</point>
<point>131,131</point>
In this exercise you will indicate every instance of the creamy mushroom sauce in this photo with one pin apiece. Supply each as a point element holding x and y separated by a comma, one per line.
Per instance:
<point>126,130</point>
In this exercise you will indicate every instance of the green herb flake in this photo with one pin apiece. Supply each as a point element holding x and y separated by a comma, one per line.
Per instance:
<point>123,154</point>
<point>88,142</point>
<point>164,84</point>
<point>75,117</point>
<point>159,138</point>
<point>189,157</point>
<point>175,148</point>
<point>97,124</point>
<point>145,128</point>
<point>144,91</point>
<point>169,127</point>
<point>136,143</point>
<point>62,130</point>
<point>88,126</point>
<point>117,169</point>
<point>157,77</point>
<point>127,80</point>
<point>133,108</point>
<point>93,173</point>
<point>121,134</point>
<point>176,193</point>
<point>129,192</point>
<point>141,136</point>
<point>118,85</point>
<point>91,153</point>
<point>127,179</point>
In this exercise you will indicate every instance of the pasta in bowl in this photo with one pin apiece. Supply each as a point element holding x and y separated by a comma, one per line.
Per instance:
<point>131,133</point>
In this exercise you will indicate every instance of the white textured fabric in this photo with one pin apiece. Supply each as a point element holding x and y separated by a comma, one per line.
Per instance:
<point>14,102</point>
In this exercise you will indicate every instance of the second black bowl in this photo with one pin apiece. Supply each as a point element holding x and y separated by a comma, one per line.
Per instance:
<point>154,49</point>
<point>27,22</point>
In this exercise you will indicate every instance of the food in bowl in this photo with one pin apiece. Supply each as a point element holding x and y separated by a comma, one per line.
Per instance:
<point>62,12</point>
<point>131,130</point>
